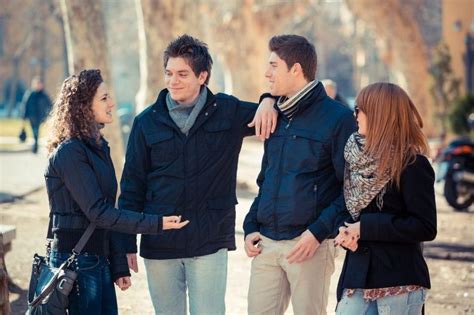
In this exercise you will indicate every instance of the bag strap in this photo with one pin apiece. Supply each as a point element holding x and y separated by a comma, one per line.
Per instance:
<point>84,238</point>
<point>76,251</point>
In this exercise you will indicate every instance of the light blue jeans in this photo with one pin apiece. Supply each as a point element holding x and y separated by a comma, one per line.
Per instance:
<point>405,304</point>
<point>204,277</point>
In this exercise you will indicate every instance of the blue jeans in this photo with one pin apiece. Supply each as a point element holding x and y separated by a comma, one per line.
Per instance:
<point>205,278</point>
<point>94,291</point>
<point>35,130</point>
<point>405,304</point>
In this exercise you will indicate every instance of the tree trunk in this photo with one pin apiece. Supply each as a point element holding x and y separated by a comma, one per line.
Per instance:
<point>396,25</point>
<point>4,296</point>
<point>87,49</point>
<point>159,22</point>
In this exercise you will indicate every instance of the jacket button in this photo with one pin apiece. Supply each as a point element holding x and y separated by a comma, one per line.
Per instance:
<point>294,136</point>
<point>206,113</point>
<point>215,105</point>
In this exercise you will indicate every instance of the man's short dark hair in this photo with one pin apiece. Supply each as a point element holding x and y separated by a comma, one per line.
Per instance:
<point>194,51</point>
<point>296,49</point>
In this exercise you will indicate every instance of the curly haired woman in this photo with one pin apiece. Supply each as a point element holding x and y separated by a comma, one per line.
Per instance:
<point>389,192</point>
<point>82,187</point>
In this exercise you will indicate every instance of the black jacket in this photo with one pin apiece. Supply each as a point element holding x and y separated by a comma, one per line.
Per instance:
<point>302,171</point>
<point>167,172</point>
<point>82,188</point>
<point>37,107</point>
<point>389,252</point>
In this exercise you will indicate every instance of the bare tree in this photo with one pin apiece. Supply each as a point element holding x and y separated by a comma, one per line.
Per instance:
<point>86,47</point>
<point>408,52</point>
<point>158,23</point>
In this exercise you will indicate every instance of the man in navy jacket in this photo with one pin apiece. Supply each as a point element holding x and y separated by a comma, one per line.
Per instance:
<point>300,200</point>
<point>182,159</point>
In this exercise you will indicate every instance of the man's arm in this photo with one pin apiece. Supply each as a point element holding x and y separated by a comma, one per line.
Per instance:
<point>251,226</point>
<point>258,120</point>
<point>335,214</point>
<point>133,182</point>
<point>325,225</point>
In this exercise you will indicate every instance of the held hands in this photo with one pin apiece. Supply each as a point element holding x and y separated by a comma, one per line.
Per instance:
<point>348,236</point>
<point>265,119</point>
<point>304,249</point>
<point>173,222</point>
<point>251,244</point>
<point>124,283</point>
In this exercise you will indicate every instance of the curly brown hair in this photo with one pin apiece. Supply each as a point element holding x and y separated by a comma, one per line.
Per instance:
<point>72,116</point>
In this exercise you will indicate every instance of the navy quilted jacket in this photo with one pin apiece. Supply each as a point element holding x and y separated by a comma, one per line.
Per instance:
<point>82,188</point>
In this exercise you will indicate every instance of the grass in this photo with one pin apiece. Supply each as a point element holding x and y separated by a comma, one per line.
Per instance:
<point>10,127</point>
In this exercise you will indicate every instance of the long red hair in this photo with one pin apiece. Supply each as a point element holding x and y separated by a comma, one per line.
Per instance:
<point>393,135</point>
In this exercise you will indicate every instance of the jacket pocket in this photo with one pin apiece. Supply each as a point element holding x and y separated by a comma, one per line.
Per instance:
<point>163,147</point>
<point>219,219</point>
<point>216,134</point>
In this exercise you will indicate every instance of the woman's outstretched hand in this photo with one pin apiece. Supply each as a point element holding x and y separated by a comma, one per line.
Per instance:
<point>173,222</point>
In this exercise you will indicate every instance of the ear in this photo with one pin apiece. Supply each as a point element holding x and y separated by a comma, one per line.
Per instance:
<point>202,77</point>
<point>296,69</point>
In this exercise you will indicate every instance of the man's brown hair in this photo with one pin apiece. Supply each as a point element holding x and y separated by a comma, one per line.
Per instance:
<point>296,49</point>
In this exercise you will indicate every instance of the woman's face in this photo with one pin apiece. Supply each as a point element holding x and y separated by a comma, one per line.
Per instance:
<point>102,105</point>
<point>361,120</point>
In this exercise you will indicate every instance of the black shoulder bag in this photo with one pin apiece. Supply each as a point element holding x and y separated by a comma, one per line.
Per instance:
<point>49,286</point>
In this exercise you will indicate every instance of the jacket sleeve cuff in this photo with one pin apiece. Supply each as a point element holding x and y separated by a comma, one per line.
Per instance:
<point>265,95</point>
<point>319,231</point>
<point>250,228</point>
<point>160,225</point>
<point>119,267</point>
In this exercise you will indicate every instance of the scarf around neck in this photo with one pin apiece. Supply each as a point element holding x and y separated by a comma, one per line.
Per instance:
<point>289,106</point>
<point>184,116</point>
<point>361,183</point>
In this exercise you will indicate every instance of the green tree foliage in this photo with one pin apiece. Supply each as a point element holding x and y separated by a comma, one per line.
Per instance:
<point>445,86</point>
<point>458,117</point>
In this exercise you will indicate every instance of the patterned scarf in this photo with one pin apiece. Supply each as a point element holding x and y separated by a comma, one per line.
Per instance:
<point>361,184</point>
<point>289,106</point>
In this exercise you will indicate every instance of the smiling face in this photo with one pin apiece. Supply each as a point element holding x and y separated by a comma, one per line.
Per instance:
<point>102,105</point>
<point>181,82</point>
<point>279,76</point>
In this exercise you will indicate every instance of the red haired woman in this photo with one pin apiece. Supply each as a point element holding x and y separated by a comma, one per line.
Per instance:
<point>389,192</point>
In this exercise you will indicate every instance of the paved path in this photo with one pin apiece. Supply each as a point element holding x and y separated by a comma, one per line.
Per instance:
<point>21,171</point>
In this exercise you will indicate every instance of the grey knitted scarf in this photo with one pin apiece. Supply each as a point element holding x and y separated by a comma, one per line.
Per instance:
<point>361,183</point>
<point>184,116</point>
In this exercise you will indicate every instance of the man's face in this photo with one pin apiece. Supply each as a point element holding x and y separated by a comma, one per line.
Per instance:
<point>181,82</point>
<point>37,85</point>
<point>279,76</point>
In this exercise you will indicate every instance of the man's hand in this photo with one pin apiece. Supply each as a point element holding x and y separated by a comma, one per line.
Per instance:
<point>173,222</point>
<point>250,241</point>
<point>265,119</point>
<point>124,283</point>
<point>304,249</point>
<point>348,236</point>
<point>132,262</point>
